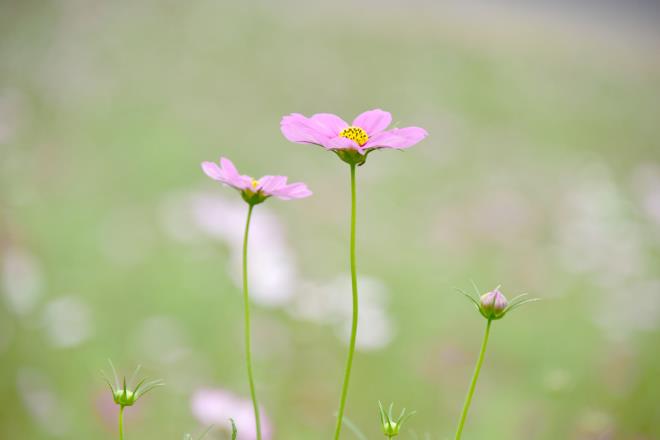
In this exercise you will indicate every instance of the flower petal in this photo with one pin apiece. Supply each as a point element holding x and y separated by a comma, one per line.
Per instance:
<point>342,143</point>
<point>226,173</point>
<point>398,138</point>
<point>330,125</point>
<point>373,121</point>
<point>297,128</point>
<point>293,191</point>
<point>268,184</point>
<point>228,166</point>
<point>212,170</point>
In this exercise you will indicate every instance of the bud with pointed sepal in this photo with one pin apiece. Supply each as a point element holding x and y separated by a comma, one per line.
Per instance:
<point>493,305</point>
<point>126,393</point>
<point>392,426</point>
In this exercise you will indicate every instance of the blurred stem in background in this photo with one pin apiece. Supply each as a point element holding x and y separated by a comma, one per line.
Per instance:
<point>246,301</point>
<point>473,384</point>
<point>351,347</point>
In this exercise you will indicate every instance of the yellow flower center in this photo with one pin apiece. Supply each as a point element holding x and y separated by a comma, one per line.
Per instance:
<point>356,134</point>
<point>255,184</point>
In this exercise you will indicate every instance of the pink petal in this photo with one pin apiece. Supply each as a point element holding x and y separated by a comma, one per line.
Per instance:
<point>397,138</point>
<point>342,143</point>
<point>330,125</point>
<point>228,168</point>
<point>215,406</point>
<point>298,128</point>
<point>212,170</point>
<point>232,177</point>
<point>226,173</point>
<point>294,191</point>
<point>373,121</point>
<point>268,184</point>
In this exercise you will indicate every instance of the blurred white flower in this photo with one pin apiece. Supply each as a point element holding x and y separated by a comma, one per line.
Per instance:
<point>22,281</point>
<point>178,219</point>
<point>271,261</point>
<point>331,303</point>
<point>596,233</point>
<point>273,273</point>
<point>646,179</point>
<point>216,406</point>
<point>600,237</point>
<point>274,279</point>
<point>67,322</point>
<point>624,309</point>
<point>375,330</point>
<point>42,403</point>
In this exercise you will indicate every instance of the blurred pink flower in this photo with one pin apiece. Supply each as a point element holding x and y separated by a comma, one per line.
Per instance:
<point>367,132</point>
<point>264,187</point>
<point>216,406</point>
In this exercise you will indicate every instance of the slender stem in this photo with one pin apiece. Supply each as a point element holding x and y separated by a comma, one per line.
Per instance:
<point>473,384</point>
<point>121,423</point>
<point>248,349</point>
<point>354,324</point>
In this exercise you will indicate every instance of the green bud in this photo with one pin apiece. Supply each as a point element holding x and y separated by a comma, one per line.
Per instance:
<point>127,394</point>
<point>392,426</point>
<point>124,397</point>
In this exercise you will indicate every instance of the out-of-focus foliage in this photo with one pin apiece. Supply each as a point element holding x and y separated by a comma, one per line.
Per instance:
<point>541,173</point>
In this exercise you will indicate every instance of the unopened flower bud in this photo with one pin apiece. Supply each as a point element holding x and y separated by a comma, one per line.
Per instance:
<point>390,425</point>
<point>391,428</point>
<point>493,304</point>
<point>124,397</point>
<point>126,394</point>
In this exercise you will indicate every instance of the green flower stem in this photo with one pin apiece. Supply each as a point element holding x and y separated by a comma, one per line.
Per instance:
<point>351,348</point>
<point>121,423</point>
<point>248,349</point>
<point>475,376</point>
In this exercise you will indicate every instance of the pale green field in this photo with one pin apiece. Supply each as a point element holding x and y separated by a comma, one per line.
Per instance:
<point>541,173</point>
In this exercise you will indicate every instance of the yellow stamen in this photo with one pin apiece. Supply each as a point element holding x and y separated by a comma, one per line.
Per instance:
<point>255,184</point>
<point>356,134</point>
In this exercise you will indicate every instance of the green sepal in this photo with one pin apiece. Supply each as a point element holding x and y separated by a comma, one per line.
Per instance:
<point>253,198</point>
<point>351,157</point>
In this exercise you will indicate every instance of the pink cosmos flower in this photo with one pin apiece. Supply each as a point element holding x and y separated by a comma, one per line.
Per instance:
<point>367,132</point>
<point>213,406</point>
<point>255,190</point>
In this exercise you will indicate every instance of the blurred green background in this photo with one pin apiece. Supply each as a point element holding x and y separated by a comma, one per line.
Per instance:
<point>541,173</point>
